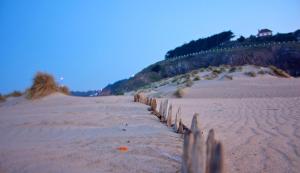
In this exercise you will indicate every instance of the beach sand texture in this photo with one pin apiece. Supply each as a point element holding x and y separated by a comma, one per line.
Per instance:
<point>72,134</point>
<point>257,120</point>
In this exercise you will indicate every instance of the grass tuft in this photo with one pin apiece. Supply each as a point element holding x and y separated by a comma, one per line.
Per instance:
<point>64,89</point>
<point>197,78</point>
<point>14,94</point>
<point>250,73</point>
<point>180,92</point>
<point>279,72</point>
<point>189,82</point>
<point>44,85</point>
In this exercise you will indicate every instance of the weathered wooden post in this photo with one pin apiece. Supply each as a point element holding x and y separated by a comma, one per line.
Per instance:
<point>177,118</point>
<point>169,118</point>
<point>197,154</point>
<point>195,126</point>
<point>186,157</point>
<point>180,127</point>
<point>153,104</point>
<point>161,108</point>
<point>214,154</point>
<point>135,98</point>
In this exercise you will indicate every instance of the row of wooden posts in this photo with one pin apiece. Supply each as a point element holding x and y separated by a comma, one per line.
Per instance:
<point>198,156</point>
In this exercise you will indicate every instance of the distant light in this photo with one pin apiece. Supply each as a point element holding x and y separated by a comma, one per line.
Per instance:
<point>61,78</point>
<point>132,75</point>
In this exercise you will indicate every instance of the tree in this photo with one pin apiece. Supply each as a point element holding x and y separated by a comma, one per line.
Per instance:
<point>241,39</point>
<point>200,44</point>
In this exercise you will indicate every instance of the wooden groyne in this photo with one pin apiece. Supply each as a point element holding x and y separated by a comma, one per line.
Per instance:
<point>199,155</point>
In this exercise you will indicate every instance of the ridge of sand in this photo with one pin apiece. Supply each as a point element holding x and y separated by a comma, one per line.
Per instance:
<point>256,119</point>
<point>71,134</point>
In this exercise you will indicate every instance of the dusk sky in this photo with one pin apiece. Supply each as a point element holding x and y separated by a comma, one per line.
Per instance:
<point>94,43</point>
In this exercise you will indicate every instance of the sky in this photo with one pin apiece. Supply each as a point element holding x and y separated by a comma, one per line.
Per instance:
<point>92,43</point>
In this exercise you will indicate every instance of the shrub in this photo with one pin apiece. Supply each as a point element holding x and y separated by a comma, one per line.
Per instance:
<point>188,82</point>
<point>210,68</point>
<point>197,78</point>
<point>14,94</point>
<point>194,72</point>
<point>250,73</point>
<point>228,77</point>
<point>217,71</point>
<point>262,72</point>
<point>119,93</point>
<point>43,85</point>
<point>2,98</point>
<point>279,72</point>
<point>180,92</point>
<point>202,69</point>
<point>64,89</point>
<point>232,69</point>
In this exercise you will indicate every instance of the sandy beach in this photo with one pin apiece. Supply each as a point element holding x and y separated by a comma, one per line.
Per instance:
<point>256,119</point>
<point>72,134</point>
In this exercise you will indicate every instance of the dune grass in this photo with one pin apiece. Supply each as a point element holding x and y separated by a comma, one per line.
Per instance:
<point>180,92</point>
<point>65,90</point>
<point>197,78</point>
<point>14,94</point>
<point>44,85</point>
<point>250,73</point>
<point>189,82</point>
<point>279,72</point>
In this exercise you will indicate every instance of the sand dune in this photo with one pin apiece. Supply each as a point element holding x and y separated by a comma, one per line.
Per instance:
<point>258,121</point>
<point>71,134</point>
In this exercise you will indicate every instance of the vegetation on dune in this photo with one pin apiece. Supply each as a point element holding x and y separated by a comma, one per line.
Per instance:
<point>180,92</point>
<point>279,72</point>
<point>228,77</point>
<point>217,71</point>
<point>188,82</point>
<point>14,94</point>
<point>250,73</point>
<point>197,78</point>
<point>64,89</point>
<point>44,85</point>
<point>261,72</point>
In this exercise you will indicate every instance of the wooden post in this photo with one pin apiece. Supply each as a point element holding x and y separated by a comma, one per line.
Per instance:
<point>135,98</point>
<point>197,155</point>
<point>180,127</point>
<point>186,156</point>
<point>166,109</point>
<point>177,118</point>
<point>195,126</point>
<point>161,108</point>
<point>153,104</point>
<point>169,118</point>
<point>214,154</point>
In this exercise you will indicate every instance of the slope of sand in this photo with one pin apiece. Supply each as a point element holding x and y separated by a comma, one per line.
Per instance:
<point>71,134</point>
<point>257,119</point>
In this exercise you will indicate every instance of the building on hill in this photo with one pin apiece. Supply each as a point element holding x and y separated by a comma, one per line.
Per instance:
<point>264,33</point>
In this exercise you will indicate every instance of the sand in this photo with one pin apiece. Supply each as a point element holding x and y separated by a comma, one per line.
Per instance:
<point>72,134</point>
<point>257,120</point>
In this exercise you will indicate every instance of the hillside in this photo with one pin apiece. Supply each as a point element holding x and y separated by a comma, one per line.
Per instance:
<point>285,56</point>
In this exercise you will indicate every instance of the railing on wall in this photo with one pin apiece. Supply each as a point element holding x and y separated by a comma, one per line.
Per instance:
<point>218,50</point>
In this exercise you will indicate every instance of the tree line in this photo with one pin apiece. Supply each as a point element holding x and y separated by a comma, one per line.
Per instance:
<point>223,40</point>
